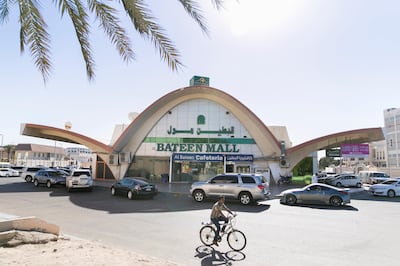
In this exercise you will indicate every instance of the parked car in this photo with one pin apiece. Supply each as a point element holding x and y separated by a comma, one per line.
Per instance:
<point>247,188</point>
<point>316,194</point>
<point>390,188</point>
<point>49,177</point>
<point>62,171</point>
<point>345,180</point>
<point>18,168</point>
<point>325,177</point>
<point>132,188</point>
<point>79,179</point>
<point>29,172</point>
<point>373,177</point>
<point>6,172</point>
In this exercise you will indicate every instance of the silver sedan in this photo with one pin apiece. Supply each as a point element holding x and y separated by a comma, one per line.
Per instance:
<point>316,194</point>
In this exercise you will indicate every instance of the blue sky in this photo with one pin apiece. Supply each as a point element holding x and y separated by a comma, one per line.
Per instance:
<point>317,67</point>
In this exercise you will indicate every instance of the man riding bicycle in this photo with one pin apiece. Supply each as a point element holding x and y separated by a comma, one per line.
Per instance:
<point>217,215</point>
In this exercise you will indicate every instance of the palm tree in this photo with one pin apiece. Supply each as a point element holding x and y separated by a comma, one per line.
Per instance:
<point>33,31</point>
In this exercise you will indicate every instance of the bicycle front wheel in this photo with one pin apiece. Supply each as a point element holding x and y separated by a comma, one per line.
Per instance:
<point>237,240</point>
<point>207,234</point>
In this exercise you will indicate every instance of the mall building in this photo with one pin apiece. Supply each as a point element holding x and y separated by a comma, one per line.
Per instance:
<point>196,132</point>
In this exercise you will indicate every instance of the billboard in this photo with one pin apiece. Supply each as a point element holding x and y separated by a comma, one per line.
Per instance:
<point>355,150</point>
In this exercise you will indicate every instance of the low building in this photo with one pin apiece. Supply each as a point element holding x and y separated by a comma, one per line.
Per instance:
<point>35,154</point>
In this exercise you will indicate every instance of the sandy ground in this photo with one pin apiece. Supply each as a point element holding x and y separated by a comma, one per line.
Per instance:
<point>74,251</point>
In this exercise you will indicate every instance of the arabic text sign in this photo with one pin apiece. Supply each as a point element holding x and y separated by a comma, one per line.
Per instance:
<point>355,150</point>
<point>219,132</point>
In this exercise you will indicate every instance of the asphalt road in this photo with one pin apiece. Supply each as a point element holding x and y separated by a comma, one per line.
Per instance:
<point>362,233</point>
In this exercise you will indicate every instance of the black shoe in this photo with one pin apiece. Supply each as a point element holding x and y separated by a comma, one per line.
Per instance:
<point>215,243</point>
<point>223,229</point>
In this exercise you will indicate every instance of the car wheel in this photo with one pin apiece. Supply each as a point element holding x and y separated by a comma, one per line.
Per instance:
<point>48,184</point>
<point>291,199</point>
<point>391,194</point>
<point>199,195</point>
<point>336,201</point>
<point>130,194</point>
<point>358,185</point>
<point>113,191</point>
<point>245,198</point>
<point>28,178</point>
<point>36,182</point>
<point>338,184</point>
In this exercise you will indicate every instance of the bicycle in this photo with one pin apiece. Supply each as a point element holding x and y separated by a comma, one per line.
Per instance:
<point>236,238</point>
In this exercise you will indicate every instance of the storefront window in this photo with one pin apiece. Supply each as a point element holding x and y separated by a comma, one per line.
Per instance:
<point>195,171</point>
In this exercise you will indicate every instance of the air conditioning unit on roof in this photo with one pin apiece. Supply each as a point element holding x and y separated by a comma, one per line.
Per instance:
<point>113,159</point>
<point>125,157</point>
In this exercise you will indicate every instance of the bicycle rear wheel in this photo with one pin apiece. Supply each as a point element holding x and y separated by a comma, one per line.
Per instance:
<point>237,240</point>
<point>207,234</point>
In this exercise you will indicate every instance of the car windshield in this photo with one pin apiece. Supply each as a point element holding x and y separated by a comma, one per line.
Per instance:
<point>79,173</point>
<point>140,182</point>
<point>389,182</point>
<point>53,173</point>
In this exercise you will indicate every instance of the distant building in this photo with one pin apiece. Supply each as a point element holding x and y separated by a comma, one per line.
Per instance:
<point>392,129</point>
<point>79,156</point>
<point>378,153</point>
<point>35,154</point>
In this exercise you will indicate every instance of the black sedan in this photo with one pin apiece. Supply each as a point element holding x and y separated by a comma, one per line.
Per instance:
<point>133,188</point>
<point>316,194</point>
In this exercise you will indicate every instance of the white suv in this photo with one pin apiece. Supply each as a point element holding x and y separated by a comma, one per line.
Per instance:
<point>29,172</point>
<point>247,188</point>
<point>79,178</point>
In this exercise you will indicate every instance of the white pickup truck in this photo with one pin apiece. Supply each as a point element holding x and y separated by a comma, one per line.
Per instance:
<point>373,177</point>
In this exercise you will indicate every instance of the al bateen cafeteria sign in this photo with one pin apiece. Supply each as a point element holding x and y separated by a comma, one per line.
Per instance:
<point>209,157</point>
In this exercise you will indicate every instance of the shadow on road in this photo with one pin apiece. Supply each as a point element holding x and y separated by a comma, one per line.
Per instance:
<point>101,199</point>
<point>210,256</point>
<point>326,207</point>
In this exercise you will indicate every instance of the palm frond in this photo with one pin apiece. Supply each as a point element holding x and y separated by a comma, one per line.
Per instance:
<point>111,25</point>
<point>218,4</point>
<point>33,33</point>
<point>5,9</point>
<point>146,25</point>
<point>193,9</point>
<point>79,17</point>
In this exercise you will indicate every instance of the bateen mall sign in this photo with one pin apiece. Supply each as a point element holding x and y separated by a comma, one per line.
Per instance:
<point>211,157</point>
<point>198,147</point>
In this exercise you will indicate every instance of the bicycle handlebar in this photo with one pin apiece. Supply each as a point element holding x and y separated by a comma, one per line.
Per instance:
<point>232,215</point>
